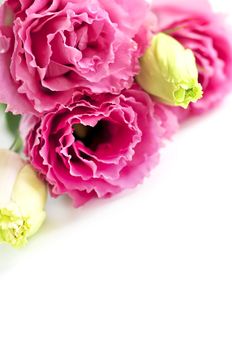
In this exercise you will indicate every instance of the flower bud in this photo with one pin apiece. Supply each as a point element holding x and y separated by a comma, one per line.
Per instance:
<point>22,200</point>
<point>169,72</point>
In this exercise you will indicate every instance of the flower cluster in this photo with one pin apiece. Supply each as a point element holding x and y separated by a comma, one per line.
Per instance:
<point>101,85</point>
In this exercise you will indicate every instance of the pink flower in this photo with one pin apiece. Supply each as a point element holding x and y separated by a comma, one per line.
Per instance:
<point>51,50</point>
<point>100,145</point>
<point>198,28</point>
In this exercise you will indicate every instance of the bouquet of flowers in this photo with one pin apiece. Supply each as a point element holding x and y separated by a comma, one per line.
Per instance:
<point>92,89</point>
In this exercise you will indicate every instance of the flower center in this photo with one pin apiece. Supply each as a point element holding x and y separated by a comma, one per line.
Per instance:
<point>92,137</point>
<point>13,227</point>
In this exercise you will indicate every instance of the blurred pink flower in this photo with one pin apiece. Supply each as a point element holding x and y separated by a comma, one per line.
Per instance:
<point>100,145</point>
<point>50,50</point>
<point>197,27</point>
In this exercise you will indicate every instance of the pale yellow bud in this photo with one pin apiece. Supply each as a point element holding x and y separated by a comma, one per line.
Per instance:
<point>22,200</point>
<point>169,72</point>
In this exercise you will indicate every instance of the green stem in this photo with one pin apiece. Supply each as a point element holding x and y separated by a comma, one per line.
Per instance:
<point>17,144</point>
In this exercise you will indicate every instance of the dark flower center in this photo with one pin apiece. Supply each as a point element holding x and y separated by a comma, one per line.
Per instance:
<point>92,137</point>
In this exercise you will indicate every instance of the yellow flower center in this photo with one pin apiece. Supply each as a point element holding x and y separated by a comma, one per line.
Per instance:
<point>13,226</point>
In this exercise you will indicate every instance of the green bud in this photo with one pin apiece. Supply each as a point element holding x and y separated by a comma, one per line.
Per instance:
<point>169,72</point>
<point>22,200</point>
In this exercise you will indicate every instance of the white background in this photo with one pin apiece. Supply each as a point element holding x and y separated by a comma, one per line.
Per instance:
<point>148,270</point>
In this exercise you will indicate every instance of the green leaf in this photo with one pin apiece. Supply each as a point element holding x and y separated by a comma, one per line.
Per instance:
<point>12,122</point>
<point>2,107</point>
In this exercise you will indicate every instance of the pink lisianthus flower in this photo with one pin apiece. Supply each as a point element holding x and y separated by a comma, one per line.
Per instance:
<point>100,145</point>
<point>197,27</point>
<point>50,50</point>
